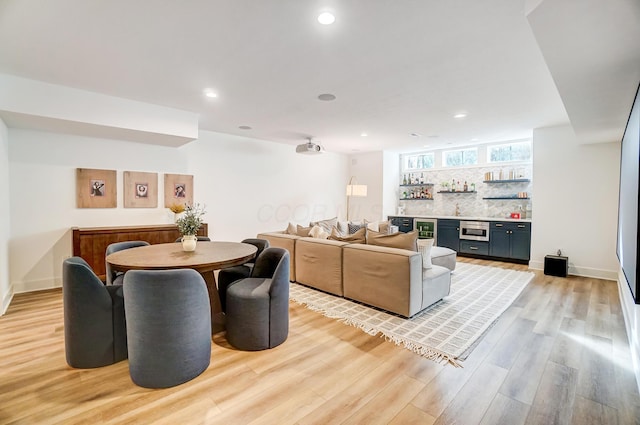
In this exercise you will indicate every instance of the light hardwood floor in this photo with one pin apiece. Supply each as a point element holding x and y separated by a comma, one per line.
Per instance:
<point>559,354</point>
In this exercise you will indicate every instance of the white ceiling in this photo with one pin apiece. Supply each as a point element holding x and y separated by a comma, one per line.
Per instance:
<point>396,67</point>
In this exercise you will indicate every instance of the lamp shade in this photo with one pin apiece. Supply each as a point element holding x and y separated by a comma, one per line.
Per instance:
<point>359,190</point>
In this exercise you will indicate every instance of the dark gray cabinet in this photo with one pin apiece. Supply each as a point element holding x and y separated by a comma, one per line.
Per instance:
<point>510,240</point>
<point>474,247</point>
<point>449,234</point>
<point>405,224</point>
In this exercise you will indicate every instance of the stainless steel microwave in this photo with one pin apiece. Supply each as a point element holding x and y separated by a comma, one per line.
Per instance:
<point>474,230</point>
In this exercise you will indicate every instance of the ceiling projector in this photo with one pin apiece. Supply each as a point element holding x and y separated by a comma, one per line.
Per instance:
<point>309,148</point>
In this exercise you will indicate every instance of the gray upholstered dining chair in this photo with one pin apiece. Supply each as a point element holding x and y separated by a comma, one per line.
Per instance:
<point>257,315</point>
<point>114,277</point>
<point>168,326</point>
<point>95,333</point>
<point>229,275</point>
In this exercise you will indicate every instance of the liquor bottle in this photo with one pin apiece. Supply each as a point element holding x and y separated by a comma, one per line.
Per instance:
<point>453,185</point>
<point>459,186</point>
<point>466,188</point>
<point>404,179</point>
<point>473,187</point>
<point>421,178</point>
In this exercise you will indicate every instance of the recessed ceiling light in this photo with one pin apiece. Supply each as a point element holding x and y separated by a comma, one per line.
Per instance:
<point>460,115</point>
<point>210,93</point>
<point>327,97</point>
<point>326,18</point>
<point>415,134</point>
<point>244,127</point>
<point>363,134</point>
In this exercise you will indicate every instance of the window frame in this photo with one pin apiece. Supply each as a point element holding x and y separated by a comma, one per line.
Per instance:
<point>510,145</point>
<point>462,150</point>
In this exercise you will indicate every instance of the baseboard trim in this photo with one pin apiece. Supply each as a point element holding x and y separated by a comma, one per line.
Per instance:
<point>6,301</point>
<point>581,271</point>
<point>37,285</point>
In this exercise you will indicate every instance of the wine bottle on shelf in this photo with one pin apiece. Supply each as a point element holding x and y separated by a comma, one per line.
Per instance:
<point>473,187</point>
<point>466,188</point>
<point>459,186</point>
<point>421,178</point>
<point>453,185</point>
<point>404,179</point>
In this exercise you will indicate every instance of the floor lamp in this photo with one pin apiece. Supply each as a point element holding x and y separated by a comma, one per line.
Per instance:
<point>358,190</point>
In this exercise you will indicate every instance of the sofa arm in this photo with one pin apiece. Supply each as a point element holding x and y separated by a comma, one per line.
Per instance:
<point>285,241</point>
<point>388,278</point>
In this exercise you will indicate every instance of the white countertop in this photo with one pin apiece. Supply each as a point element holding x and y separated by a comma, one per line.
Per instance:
<point>467,218</point>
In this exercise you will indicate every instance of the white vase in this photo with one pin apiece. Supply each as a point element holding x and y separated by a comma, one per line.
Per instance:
<point>189,242</point>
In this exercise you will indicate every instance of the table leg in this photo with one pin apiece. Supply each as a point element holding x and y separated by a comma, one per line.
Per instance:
<point>217,316</point>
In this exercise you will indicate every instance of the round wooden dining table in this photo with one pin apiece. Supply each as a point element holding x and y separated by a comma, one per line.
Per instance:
<point>207,257</point>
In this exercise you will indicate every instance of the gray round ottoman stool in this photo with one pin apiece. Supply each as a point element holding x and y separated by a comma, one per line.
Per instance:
<point>445,257</point>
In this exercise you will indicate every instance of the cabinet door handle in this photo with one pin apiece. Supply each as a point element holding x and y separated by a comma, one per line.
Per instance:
<point>474,248</point>
<point>498,225</point>
<point>522,226</point>
<point>457,228</point>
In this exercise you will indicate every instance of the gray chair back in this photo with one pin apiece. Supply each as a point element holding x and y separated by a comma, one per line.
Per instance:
<point>112,275</point>
<point>168,326</point>
<point>261,244</point>
<point>257,314</point>
<point>94,322</point>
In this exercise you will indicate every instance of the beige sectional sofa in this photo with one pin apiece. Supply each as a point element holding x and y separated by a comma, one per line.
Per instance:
<point>389,278</point>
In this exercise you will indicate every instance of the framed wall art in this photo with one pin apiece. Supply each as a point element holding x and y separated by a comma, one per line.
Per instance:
<point>178,189</point>
<point>140,189</point>
<point>95,188</point>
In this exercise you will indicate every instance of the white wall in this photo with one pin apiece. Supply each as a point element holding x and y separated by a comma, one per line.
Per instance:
<point>575,200</point>
<point>247,185</point>
<point>252,186</point>
<point>6,290</point>
<point>390,183</point>
<point>367,169</point>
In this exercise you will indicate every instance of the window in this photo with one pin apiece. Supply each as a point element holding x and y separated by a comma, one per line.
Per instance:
<point>460,157</point>
<point>520,151</point>
<point>419,161</point>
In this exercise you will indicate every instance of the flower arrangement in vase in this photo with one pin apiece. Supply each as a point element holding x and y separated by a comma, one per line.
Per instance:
<point>177,210</point>
<point>189,224</point>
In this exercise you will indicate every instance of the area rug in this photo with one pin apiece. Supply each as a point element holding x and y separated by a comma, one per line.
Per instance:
<point>442,332</point>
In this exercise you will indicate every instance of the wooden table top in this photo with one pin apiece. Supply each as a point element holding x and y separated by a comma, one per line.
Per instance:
<point>208,256</point>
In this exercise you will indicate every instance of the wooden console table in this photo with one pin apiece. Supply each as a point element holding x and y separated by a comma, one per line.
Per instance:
<point>91,243</point>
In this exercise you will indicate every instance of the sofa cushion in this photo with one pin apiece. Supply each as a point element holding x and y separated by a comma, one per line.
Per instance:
<point>357,237</point>
<point>397,240</point>
<point>444,257</point>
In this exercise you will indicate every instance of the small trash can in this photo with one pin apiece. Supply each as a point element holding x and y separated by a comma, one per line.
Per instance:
<point>556,265</point>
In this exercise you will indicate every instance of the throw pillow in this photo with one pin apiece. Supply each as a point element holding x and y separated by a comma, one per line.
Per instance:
<point>354,227</point>
<point>373,225</point>
<point>291,229</point>
<point>325,224</point>
<point>318,232</point>
<point>424,247</point>
<point>358,237</point>
<point>343,228</point>
<point>397,240</point>
<point>383,227</point>
<point>302,231</point>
